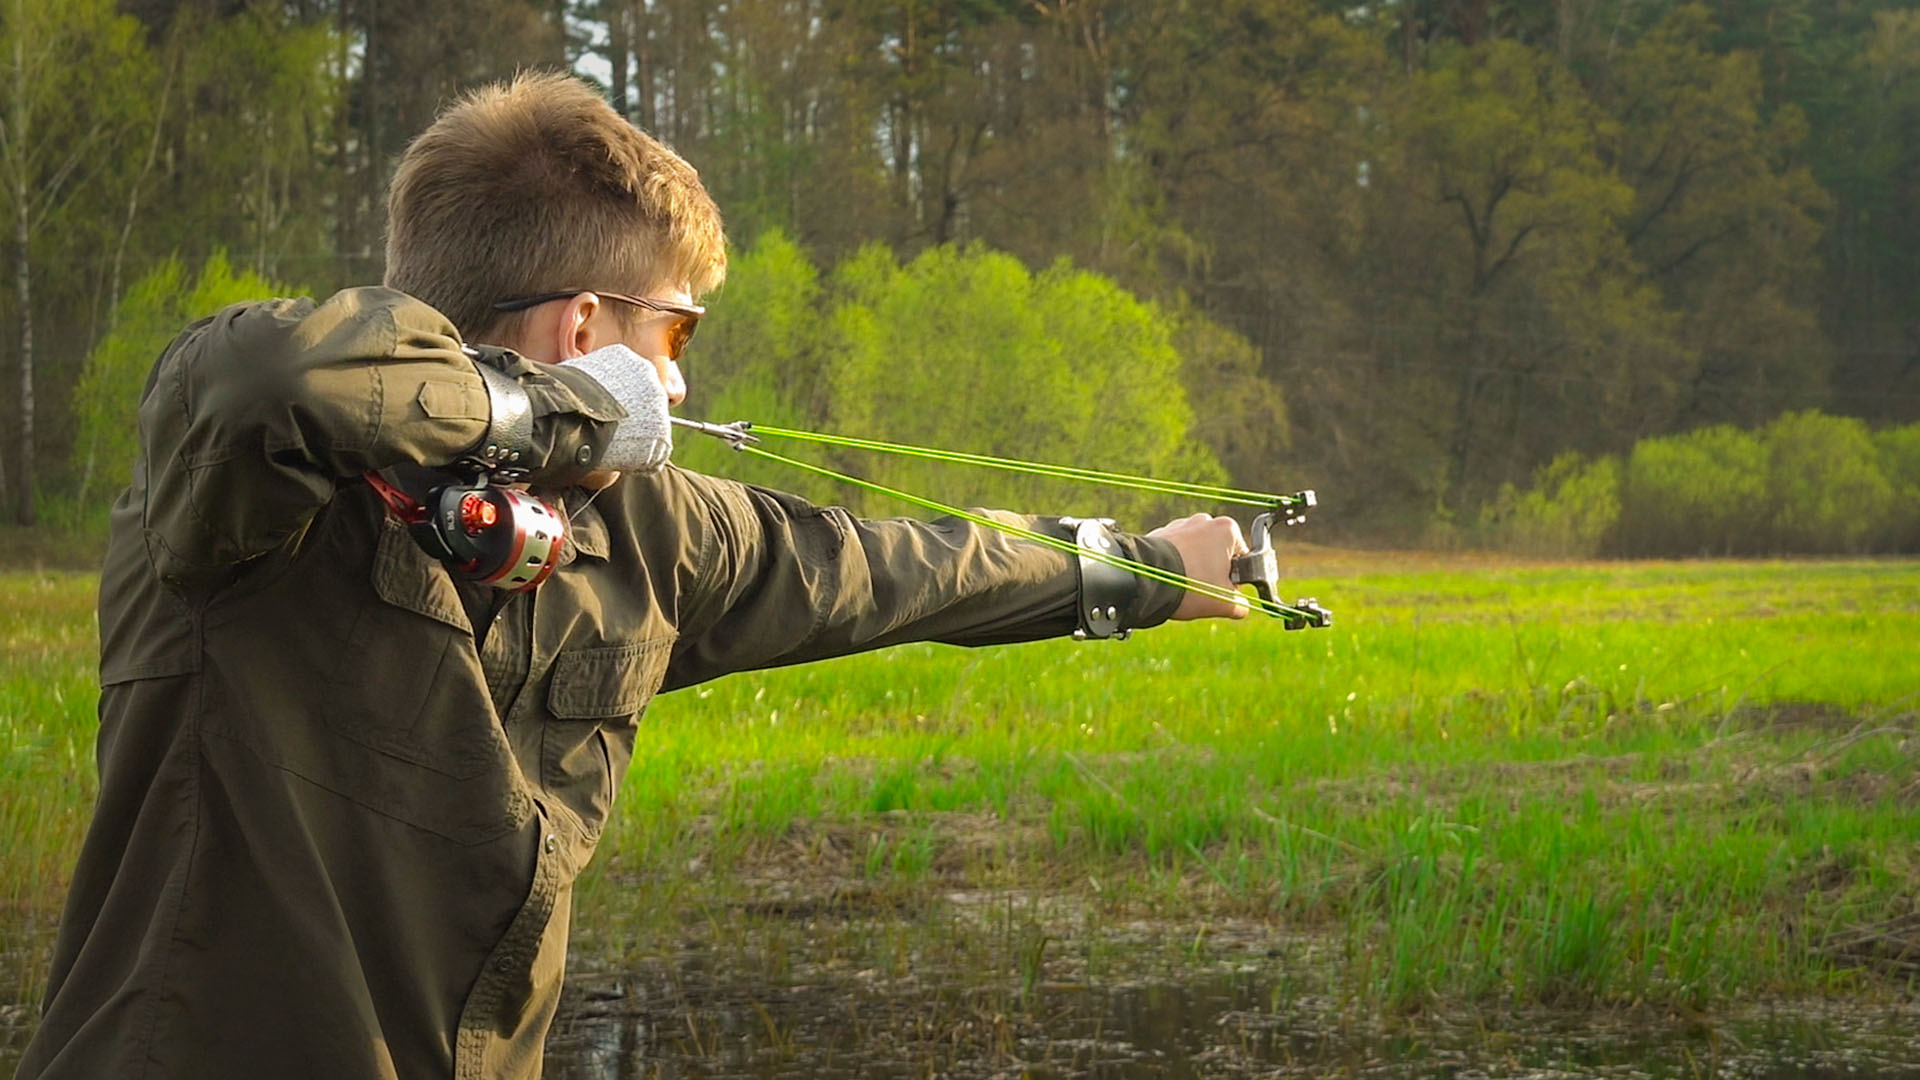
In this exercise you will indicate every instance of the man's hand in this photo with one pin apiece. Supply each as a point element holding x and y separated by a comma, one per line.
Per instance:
<point>1207,545</point>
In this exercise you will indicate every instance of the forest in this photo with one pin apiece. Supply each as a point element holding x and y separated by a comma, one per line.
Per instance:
<point>1482,272</point>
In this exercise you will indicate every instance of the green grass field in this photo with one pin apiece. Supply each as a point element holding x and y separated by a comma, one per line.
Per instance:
<point>1564,784</point>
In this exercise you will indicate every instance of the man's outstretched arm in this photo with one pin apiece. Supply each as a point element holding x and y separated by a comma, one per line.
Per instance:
<point>793,582</point>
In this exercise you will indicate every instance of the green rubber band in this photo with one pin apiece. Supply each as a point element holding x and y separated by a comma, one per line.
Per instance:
<point>1204,588</point>
<point>1035,468</point>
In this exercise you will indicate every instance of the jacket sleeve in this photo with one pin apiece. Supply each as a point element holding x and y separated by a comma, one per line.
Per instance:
<point>252,417</point>
<point>788,582</point>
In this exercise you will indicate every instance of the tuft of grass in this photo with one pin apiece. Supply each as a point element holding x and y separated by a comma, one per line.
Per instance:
<point>48,696</point>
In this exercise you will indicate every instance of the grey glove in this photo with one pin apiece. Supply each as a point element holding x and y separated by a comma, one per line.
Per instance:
<point>642,441</point>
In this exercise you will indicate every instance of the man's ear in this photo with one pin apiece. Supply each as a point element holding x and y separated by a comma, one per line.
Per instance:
<point>574,332</point>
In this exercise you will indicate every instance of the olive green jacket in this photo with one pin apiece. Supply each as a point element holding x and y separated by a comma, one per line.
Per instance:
<point>339,822</point>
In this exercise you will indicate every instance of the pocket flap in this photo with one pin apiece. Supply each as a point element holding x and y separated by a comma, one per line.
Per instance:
<point>453,401</point>
<point>598,684</point>
<point>407,577</point>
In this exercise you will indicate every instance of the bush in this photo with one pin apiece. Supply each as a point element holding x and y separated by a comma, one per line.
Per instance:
<point>957,349</point>
<point>1898,451</point>
<point>1806,484</point>
<point>1829,495</point>
<point>759,358</point>
<point>1701,493</point>
<point>968,350</point>
<point>106,401</point>
<point>1573,505</point>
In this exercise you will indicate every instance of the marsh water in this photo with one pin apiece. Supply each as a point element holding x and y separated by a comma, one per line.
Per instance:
<point>695,1022</point>
<point>688,1020</point>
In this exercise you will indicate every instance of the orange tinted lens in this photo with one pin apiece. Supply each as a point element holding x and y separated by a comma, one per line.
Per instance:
<point>679,334</point>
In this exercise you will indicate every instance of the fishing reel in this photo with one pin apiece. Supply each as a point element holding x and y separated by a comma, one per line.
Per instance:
<point>483,528</point>
<point>498,536</point>
<point>1260,567</point>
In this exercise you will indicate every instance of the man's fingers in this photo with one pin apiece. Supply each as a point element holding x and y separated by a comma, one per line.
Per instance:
<point>1239,538</point>
<point>1208,545</point>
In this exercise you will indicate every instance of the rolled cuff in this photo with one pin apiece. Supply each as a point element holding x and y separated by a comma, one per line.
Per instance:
<point>1154,602</point>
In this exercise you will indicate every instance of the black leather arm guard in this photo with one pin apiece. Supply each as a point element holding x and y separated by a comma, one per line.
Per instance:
<point>507,449</point>
<point>1106,590</point>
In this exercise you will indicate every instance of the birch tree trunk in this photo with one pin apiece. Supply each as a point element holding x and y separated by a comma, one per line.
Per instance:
<point>24,510</point>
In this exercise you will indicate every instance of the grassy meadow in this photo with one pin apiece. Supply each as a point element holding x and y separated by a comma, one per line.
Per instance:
<point>1489,782</point>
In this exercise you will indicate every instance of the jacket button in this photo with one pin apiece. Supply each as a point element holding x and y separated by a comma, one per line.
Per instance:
<point>584,455</point>
<point>553,843</point>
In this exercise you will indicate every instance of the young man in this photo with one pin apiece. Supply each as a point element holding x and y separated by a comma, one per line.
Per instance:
<point>345,794</point>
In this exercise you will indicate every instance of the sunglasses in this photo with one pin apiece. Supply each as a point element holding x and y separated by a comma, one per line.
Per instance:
<point>678,334</point>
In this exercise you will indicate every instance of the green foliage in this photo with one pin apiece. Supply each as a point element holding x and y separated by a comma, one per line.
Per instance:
<point>1898,450</point>
<point>1573,505</point>
<point>968,350</point>
<point>1239,413</point>
<point>76,83</point>
<point>1504,226</point>
<point>77,89</point>
<point>1702,493</point>
<point>1453,243</point>
<point>965,350</point>
<point>1807,483</point>
<point>760,398</point>
<point>263,194</point>
<point>1509,138</point>
<point>1724,216</point>
<point>1829,495</point>
<point>1853,69</point>
<point>767,319</point>
<point>107,399</point>
<point>759,357</point>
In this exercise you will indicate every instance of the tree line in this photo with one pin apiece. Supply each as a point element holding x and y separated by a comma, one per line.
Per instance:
<point>1806,483</point>
<point>1408,253</point>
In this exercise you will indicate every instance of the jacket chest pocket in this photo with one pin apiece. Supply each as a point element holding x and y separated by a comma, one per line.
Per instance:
<point>607,683</point>
<point>592,704</point>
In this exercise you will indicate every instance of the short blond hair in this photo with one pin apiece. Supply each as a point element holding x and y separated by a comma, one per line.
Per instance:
<point>536,185</point>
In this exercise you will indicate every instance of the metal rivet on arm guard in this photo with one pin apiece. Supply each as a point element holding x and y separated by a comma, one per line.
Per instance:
<point>506,450</point>
<point>1105,590</point>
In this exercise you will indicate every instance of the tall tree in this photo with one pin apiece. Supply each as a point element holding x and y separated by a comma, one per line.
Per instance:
<point>1535,318</point>
<point>1247,130</point>
<point>264,197</point>
<point>78,78</point>
<point>414,57</point>
<point>1850,69</point>
<point>1724,222</point>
